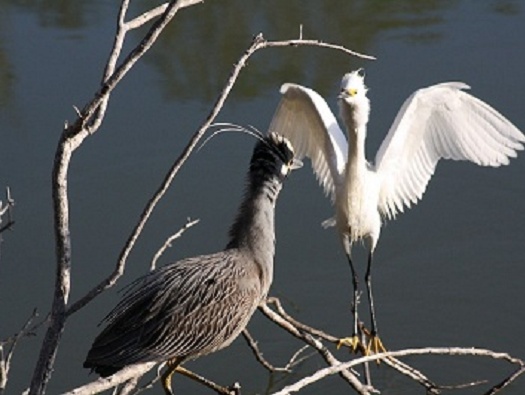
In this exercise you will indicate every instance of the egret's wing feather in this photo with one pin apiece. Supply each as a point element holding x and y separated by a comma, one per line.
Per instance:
<point>437,122</point>
<point>304,117</point>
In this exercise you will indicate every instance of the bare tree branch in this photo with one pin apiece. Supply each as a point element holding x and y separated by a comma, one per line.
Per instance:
<point>105,383</point>
<point>322,373</point>
<point>232,390</point>
<point>349,376</point>
<point>71,138</point>
<point>508,380</point>
<point>394,363</point>
<point>7,209</point>
<point>252,343</point>
<point>7,354</point>
<point>167,244</point>
<point>146,17</point>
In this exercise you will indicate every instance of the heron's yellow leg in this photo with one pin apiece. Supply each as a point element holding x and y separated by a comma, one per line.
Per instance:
<point>166,376</point>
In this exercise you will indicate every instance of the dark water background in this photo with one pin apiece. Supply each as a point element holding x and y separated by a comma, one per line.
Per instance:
<point>449,272</point>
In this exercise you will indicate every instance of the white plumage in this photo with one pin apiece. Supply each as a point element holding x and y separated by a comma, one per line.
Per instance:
<point>441,121</point>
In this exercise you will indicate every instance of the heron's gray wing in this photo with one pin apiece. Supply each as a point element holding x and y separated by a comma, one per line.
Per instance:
<point>304,117</point>
<point>186,309</point>
<point>440,121</point>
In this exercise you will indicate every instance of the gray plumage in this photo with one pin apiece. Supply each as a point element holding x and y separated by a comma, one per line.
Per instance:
<point>199,305</point>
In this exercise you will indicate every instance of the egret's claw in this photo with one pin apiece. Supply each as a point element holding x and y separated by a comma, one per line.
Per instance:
<point>353,343</point>
<point>375,346</point>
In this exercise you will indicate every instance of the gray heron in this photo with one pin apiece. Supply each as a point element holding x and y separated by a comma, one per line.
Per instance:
<point>199,305</point>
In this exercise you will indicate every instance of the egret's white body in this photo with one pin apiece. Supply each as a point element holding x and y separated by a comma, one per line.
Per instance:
<point>441,121</point>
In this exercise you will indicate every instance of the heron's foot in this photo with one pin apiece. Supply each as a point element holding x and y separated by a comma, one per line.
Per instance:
<point>166,377</point>
<point>353,343</point>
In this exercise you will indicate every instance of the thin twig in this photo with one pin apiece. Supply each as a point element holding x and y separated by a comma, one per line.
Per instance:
<point>208,383</point>
<point>7,209</point>
<point>349,376</point>
<point>508,380</point>
<point>252,343</point>
<point>167,244</point>
<point>414,374</point>
<point>299,325</point>
<point>11,343</point>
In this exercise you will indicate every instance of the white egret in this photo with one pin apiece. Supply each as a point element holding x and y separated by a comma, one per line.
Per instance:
<point>441,121</point>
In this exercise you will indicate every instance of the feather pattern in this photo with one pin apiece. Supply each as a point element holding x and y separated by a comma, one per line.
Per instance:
<point>439,122</point>
<point>306,120</point>
<point>199,305</point>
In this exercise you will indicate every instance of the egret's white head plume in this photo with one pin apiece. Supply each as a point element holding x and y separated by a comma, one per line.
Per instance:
<point>353,84</point>
<point>354,105</point>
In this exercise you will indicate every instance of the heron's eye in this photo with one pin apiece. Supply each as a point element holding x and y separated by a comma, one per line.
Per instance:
<point>352,91</point>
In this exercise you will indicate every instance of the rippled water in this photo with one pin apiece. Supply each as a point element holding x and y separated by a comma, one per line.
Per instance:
<point>448,273</point>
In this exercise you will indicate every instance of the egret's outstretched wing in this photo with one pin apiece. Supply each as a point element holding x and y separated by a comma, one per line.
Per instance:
<point>437,122</point>
<point>304,117</point>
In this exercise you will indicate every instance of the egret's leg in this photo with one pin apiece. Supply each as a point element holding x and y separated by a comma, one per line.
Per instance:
<point>353,342</point>
<point>355,283</point>
<point>375,345</point>
<point>368,279</point>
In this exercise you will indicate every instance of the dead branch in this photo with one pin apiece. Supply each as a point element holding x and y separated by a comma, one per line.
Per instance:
<point>105,383</point>
<point>231,390</point>
<point>322,373</point>
<point>508,380</point>
<point>7,348</point>
<point>7,209</point>
<point>346,374</point>
<point>392,360</point>
<point>252,343</point>
<point>167,244</point>
<point>72,137</point>
<point>394,363</point>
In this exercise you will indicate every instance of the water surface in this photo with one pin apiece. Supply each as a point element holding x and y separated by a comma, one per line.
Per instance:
<point>448,272</point>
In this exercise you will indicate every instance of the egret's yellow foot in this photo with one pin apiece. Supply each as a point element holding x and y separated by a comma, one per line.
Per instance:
<point>375,346</point>
<point>353,343</point>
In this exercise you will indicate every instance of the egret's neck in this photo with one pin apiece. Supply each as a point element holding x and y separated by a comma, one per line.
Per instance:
<point>355,118</point>
<point>356,148</point>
